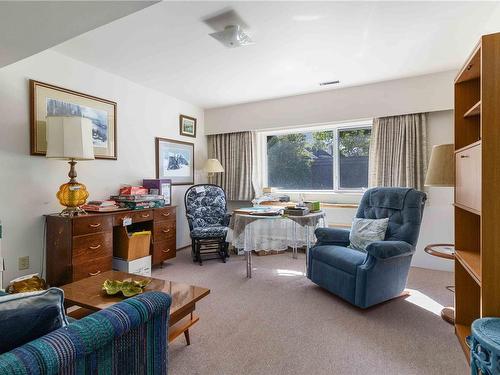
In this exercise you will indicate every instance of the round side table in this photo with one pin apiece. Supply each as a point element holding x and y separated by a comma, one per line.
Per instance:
<point>446,251</point>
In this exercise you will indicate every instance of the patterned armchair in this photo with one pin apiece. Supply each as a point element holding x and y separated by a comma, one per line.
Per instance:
<point>206,213</point>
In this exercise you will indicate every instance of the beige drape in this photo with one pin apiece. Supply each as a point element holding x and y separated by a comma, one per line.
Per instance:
<point>398,151</point>
<point>236,153</point>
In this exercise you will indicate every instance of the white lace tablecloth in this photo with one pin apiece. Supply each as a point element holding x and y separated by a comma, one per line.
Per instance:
<point>252,232</point>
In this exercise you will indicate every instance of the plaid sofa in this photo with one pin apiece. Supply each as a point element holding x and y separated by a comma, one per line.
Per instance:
<point>127,338</point>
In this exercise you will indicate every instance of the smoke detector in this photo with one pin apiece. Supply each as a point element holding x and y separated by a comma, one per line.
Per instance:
<point>232,36</point>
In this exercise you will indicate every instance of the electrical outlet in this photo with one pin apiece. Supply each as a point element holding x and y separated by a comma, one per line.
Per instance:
<point>24,263</point>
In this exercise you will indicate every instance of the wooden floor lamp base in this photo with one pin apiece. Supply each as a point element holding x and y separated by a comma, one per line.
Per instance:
<point>448,314</point>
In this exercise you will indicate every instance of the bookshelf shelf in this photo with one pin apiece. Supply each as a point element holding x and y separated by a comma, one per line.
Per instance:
<point>474,111</point>
<point>462,331</point>
<point>471,261</point>
<point>459,150</point>
<point>463,207</point>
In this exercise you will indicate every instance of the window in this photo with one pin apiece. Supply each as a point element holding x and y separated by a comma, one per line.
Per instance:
<point>332,158</point>
<point>353,148</point>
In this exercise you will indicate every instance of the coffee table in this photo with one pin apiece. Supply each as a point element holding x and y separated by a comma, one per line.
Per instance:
<point>89,296</point>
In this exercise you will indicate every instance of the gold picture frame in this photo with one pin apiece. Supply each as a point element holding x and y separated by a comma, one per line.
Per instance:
<point>47,99</point>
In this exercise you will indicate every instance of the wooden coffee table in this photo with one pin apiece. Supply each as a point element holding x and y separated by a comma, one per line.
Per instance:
<point>89,296</point>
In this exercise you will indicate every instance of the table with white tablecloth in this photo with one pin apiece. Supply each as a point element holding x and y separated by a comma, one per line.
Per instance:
<point>256,232</point>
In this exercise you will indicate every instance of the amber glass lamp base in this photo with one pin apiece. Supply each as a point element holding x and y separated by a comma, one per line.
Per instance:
<point>72,194</point>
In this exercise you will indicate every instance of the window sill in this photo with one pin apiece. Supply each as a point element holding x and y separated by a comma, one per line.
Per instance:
<point>333,198</point>
<point>322,192</point>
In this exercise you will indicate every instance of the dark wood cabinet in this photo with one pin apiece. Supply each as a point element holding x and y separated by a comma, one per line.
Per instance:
<point>82,246</point>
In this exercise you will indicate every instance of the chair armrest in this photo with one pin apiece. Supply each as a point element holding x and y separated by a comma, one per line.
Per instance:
<point>389,249</point>
<point>61,348</point>
<point>333,236</point>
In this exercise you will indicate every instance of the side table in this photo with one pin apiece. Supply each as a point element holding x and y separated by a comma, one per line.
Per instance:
<point>446,251</point>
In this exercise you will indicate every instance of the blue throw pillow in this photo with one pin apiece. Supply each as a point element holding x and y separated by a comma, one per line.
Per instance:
<point>27,316</point>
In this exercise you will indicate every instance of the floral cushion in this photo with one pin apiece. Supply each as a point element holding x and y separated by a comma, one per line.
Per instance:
<point>206,211</point>
<point>209,232</point>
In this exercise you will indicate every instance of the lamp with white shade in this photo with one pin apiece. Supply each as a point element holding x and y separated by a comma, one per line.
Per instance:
<point>213,166</point>
<point>70,138</point>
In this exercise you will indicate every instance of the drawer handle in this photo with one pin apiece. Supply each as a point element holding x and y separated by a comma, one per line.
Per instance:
<point>94,247</point>
<point>165,230</point>
<point>165,251</point>
<point>145,215</point>
<point>464,156</point>
<point>166,214</point>
<point>94,273</point>
<point>96,225</point>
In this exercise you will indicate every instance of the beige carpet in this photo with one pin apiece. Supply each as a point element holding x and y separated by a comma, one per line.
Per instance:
<point>279,322</point>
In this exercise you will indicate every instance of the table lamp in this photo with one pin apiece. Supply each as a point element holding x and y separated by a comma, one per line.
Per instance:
<point>70,138</point>
<point>441,173</point>
<point>213,166</point>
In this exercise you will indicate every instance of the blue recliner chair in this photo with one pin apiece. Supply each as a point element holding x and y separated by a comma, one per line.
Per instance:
<point>379,274</point>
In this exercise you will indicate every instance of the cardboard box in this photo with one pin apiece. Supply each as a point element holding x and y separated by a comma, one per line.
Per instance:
<point>141,266</point>
<point>130,246</point>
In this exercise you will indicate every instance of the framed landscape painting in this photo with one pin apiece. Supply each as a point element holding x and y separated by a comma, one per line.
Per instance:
<point>187,126</point>
<point>175,160</point>
<point>50,100</point>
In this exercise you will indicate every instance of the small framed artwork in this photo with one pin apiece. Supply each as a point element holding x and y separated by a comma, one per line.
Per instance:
<point>175,161</point>
<point>49,100</point>
<point>187,126</point>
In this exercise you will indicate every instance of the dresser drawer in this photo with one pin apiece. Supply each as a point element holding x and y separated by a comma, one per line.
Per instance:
<point>164,213</point>
<point>91,246</point>
<point>164,230</point>
<point>468,178</point>
<point>163,250</point>
<point>136,216</point>
<point>92,224</point>
<point>92,268</point>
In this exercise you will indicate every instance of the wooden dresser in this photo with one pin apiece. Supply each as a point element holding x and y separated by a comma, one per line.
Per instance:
<point>82,246</point>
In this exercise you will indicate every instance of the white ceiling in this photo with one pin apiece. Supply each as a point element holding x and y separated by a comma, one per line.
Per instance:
<point>298,45</point>
<point>28,27</point>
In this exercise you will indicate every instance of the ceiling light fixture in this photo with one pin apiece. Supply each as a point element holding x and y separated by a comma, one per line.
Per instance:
<point>232,36</point>
<point>329,83</point>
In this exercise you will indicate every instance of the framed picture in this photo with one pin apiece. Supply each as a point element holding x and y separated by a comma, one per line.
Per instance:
<point>175,161</point>
<point>187,126</point>
<point>50,100</point>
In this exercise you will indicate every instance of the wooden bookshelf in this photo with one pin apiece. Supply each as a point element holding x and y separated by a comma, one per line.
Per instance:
<point>477,191</point>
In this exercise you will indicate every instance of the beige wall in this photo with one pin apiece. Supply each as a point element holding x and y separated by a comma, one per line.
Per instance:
<point>28,183</point>
<point>427,93</point>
